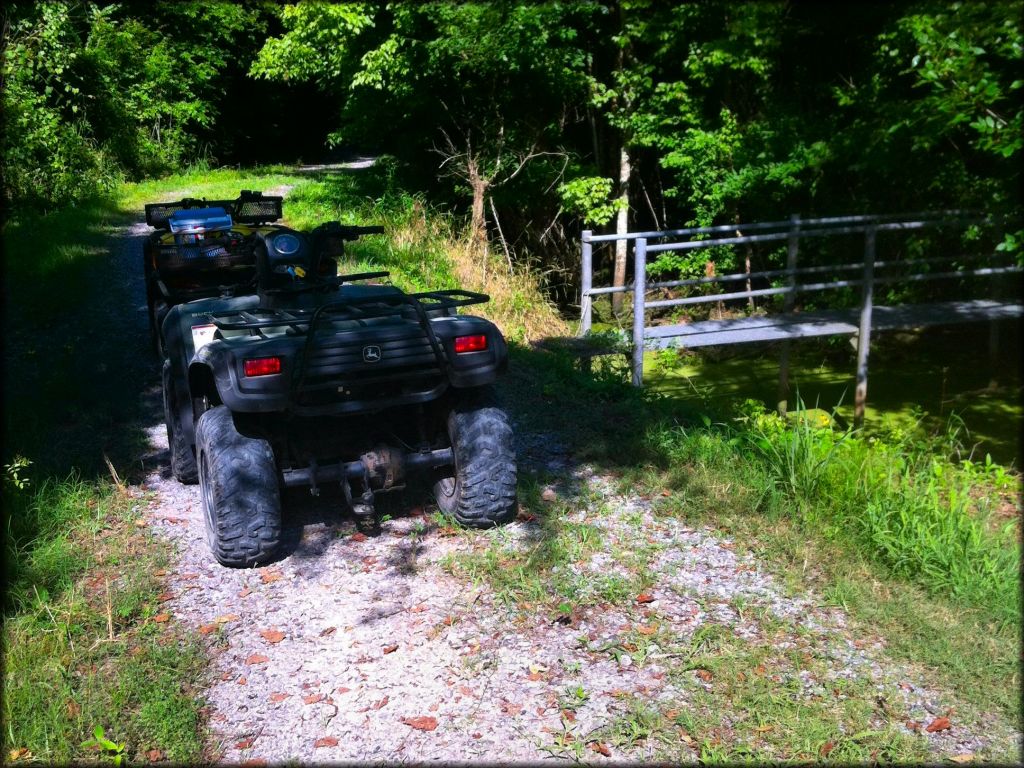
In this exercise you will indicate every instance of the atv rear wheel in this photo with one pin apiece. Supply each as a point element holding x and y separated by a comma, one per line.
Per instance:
<point>481,492</point>
<point>241,498</point>
<point>183,460</point>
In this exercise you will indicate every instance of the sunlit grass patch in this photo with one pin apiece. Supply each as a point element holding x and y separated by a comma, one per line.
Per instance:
<point>964,638</point>
<point>213,184</point>
<point>544,570</point>
<point>81,645</point>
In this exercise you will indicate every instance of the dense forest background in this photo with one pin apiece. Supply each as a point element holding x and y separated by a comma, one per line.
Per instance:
<point>534,120</point>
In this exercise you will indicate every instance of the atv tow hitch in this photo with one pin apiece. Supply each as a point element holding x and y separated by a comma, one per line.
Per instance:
<point>368,466</point>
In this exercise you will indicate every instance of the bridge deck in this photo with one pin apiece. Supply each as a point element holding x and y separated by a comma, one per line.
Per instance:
<point>825,323</point>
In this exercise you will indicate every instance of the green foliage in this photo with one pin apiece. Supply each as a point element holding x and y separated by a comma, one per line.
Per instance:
<point>96,93</point>
<point>798,456</point>
<point>728,111</point>
<point>960,56</point>
<point>71,671</point>
<point>109,749</point>
<point>481,85</point>
<point>910,507</point>
<point>13,472</point>
<point>589,197</point>
<point>49,152</point>
<point>317,44</point>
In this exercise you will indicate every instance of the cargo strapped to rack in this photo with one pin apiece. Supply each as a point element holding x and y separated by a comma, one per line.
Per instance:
<point>249,208</point>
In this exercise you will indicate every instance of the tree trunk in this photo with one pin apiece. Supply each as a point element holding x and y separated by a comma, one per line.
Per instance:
<point>621,228</point>
<point>746,261</point>
<point>478,226</point>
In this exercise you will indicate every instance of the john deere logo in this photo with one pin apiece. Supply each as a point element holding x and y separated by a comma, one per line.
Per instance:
<point>371,354</point>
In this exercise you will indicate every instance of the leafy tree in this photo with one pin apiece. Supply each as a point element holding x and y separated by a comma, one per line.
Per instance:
<point>49,153</point>
<point>96,92</point>
<point>484,86</point>
<point>936,118</point>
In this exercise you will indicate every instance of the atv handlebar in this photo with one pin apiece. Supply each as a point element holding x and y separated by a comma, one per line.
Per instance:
<point>325,284</point>
<point>344,231</point>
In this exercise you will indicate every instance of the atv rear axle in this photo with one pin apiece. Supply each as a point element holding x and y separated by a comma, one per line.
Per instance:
<point>369,466</point>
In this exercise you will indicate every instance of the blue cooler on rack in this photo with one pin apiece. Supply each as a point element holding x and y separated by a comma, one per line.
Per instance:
<point>200,233</point>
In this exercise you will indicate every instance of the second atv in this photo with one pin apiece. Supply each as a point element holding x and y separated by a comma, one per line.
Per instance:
<point>280,372</point>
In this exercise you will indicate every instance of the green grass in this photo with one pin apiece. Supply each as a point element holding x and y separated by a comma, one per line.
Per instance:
<point>750,706</point>
<point>901,501</point>
<point>538,575</point>
<point>933,597</point>
<point>81,648</point>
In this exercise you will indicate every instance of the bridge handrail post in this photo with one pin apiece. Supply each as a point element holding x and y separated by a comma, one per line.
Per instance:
<point>586,283</point>
<point>639,288</point>
<point>864,331</point>
<point>792,251</point>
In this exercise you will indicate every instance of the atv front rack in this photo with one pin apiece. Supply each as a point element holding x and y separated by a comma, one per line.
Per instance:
<point>336,372</point>
<point>249,208</point>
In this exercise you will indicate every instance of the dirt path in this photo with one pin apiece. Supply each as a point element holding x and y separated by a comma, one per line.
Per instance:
<point>368,649</point>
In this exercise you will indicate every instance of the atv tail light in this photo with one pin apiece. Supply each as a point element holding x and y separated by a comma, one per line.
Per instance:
<point>262,366</point>
<point>470,343</point>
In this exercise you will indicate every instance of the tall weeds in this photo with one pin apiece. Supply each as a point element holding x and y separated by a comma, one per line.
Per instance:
<point>905,502</point>
<point>914,510</point>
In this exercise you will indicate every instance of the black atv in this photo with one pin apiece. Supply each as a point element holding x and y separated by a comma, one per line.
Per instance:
<point>279,371</point>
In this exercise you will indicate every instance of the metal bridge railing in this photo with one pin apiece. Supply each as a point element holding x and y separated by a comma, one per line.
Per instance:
<point>792,232</point>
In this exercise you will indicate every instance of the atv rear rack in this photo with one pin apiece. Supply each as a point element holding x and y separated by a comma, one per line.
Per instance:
<point>249,208</point>
<point>429,301</point>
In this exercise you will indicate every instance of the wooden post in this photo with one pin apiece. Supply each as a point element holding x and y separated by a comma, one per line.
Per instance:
<point>788,302</point>
<point>639,288</point>
<point>864,332</point>
<point>586,283</point>
<point>993,327</point>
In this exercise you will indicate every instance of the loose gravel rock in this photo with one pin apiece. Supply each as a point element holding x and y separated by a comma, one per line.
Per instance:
<point>366,649</point>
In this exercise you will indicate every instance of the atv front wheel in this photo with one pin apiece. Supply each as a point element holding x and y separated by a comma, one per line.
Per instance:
<point>238,484</point>
<point>183,460</point>
<point>481,491</point>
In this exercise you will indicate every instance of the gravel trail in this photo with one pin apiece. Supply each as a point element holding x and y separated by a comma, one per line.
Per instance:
<point>365,648</point>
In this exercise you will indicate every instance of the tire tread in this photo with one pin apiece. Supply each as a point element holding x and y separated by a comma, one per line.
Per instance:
<point>244,528</point>
<point>485,487</point>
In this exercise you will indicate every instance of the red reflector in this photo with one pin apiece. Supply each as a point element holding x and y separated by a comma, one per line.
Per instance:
<point>470,343</point>
<point>262,366</point>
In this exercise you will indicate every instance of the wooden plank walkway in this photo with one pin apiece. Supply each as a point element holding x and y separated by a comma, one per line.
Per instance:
<point>796,325</point>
